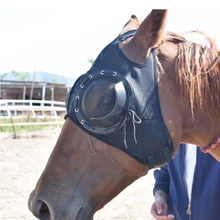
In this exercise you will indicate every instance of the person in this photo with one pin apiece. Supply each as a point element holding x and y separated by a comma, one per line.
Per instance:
<point>188,187</point>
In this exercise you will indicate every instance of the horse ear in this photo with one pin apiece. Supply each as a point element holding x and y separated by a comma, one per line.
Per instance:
<point>132,24</point>
<point>151,30</point>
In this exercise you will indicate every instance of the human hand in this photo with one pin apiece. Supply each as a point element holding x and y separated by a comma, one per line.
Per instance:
<point>159,209</point>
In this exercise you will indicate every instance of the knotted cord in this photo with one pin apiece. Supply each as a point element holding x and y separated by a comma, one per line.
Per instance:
<point>135,120</point>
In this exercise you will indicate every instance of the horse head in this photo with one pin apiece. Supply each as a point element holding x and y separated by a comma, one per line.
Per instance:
<point>126,115</point>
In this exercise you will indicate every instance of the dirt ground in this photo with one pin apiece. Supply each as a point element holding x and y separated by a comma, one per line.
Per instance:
<point>23,160</point>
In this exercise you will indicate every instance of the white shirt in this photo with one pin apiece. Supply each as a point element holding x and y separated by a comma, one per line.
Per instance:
<point>190,163</point>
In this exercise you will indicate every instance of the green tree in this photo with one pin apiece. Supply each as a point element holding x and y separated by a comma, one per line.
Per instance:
<point>91,60</point>
<point>56,80</point>
<point>20,75</point>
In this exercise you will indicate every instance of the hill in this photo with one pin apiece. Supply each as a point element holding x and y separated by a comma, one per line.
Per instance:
<point>38,76</point>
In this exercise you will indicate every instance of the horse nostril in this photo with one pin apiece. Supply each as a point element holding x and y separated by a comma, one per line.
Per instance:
<point>41,210</point>
<point>44,211</point>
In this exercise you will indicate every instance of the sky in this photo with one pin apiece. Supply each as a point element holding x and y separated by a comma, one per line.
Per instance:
<point>60,36</point>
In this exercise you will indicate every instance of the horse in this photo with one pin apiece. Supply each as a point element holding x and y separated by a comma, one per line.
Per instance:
<point>147,91</point>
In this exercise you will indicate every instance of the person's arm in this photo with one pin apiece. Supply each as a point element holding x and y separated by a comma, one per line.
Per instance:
<point>162,179</point>
<point>159,208</point>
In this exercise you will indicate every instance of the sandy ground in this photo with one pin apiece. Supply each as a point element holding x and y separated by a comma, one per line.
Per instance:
<point>23,160</point>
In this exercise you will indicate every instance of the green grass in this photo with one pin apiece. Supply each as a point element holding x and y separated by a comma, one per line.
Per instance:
<point>27,127</point>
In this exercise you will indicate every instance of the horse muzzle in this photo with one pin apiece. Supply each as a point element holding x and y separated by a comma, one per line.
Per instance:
<point>45,210</point>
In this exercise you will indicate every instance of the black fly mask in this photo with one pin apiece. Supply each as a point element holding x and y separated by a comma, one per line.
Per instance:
<point>117,102</point>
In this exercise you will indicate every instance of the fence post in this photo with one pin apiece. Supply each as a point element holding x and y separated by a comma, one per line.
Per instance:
<point>13,126</point>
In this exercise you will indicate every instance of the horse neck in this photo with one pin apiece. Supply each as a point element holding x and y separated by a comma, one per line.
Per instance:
<point>203,99</point>
<point>199,124</point>
<point>199,129</point>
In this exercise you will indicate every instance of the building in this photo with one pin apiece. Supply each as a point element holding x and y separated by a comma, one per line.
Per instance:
<point>24,90</point>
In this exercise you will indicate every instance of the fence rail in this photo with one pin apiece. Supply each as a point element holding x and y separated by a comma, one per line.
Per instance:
<point>14,109</point>
<point>17,108</point>
<point>32,123</point>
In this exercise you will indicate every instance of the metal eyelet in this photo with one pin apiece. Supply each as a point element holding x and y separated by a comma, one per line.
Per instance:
<point>114,74</point>
<point>102,72</point>
<point>77,97</point>
<point>76,110</point>
<point>90,76</point>
<point>82,122</point>
<point>81,86</point>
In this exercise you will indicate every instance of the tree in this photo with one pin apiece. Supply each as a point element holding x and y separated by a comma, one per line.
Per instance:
<point>91,60</point>
<point>56,80</point>
<point>20,75</point>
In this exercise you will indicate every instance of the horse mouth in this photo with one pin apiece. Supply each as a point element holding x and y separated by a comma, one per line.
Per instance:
<point>44,213</point>
<point>82,214</point>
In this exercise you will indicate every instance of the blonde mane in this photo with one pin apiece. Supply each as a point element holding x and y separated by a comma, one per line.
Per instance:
<point>198,71</point>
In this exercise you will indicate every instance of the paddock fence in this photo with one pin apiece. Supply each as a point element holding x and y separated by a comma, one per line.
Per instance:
<point>31,109</point>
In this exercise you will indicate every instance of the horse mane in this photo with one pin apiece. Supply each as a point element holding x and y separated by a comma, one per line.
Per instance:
<point>198,69</point>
